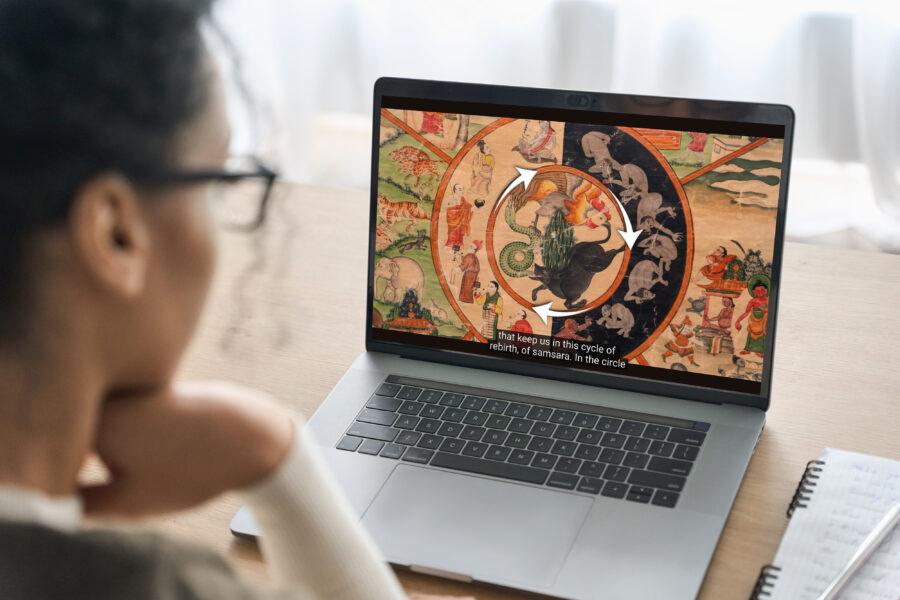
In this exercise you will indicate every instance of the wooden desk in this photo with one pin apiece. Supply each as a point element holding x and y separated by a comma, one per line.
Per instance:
<point>287,315</point>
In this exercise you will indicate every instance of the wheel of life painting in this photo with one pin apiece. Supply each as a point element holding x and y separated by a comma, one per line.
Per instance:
<point>557,240</point>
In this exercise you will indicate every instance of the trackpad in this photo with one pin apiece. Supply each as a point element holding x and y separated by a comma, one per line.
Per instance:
<point>505,532</point>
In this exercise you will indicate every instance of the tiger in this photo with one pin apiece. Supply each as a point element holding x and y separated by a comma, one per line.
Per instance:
<point>399,211</point>
<point>415,163</point>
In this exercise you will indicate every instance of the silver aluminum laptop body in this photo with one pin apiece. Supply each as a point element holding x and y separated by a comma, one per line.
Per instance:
<point>565,543</point>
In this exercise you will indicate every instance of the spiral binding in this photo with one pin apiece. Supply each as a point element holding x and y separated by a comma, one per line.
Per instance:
<point>767,576</point>
<point>804,488</point>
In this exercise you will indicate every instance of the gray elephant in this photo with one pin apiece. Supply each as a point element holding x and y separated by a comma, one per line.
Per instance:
<point>401,274</point>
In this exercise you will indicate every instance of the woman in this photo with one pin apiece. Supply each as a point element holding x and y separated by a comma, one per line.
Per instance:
<point>113,124</point>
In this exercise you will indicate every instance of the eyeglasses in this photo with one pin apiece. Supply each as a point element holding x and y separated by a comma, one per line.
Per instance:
<point>239,193</point>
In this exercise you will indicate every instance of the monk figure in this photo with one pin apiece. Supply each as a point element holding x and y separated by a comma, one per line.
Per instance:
<point>459,216</point>
<point>469,266</point>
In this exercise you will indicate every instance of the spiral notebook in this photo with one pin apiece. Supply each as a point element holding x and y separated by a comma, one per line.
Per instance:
<point>839,500</point>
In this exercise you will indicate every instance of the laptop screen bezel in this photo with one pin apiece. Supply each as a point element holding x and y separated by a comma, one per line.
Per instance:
<point>588,102</point>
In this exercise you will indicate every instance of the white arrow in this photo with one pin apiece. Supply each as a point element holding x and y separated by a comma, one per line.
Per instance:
<point>544,311</point>
<point>629,235</point>
<point>525,176</point>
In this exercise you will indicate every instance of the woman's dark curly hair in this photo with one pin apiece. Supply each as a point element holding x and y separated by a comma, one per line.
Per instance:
<point>87,88</point>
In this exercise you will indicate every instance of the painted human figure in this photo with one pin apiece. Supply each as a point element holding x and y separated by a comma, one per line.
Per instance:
<point>758,312</point>
<point>571,329</point>
<point>695,147</point>
<point>482,171</point>
<point>459,218</point>
<point>722,321</point>
<point>469,266</point>
<point>717,263</point>
<point>491,308</point>
<point>433,122</point>
<point>681,343</point>
<point>521,325</point>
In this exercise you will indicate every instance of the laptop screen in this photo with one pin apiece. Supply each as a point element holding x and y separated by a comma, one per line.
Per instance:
<point>634,245</point>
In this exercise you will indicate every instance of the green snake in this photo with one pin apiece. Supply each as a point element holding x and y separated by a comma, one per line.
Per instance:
<point>516,258</point>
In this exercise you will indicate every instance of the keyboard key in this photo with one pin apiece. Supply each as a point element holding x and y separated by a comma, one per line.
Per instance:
<point>632,428</point>
<point>428,425</point>
<point>611,456</point>
<point>433,411</point>
<point>585,420</point>
<point>371,447</point>
<point>589,485</point>
<point>430,442</point>
<point>635,460</point>
<point>451,399</point>
<point>640,494</point>
<point>664,498</point>
<point>565,432</point>
<point>568,465</point>
<point>452,445</point>
<point>656,432</point>
<point>473,417</point>
<point>613,440</point>
<point>379,417</point>
<point>474,449</point>
<point>587,436</point>
<point>673,483</point>
<point>518,440</point>
<point>497,453</point>
<point>495,406</point>
<point>521,457</point>
<point>562,480</point>
<point>592,469</point>
<point>636,444</point>
<point>418,455</point>
<point>450,429</point>
<point>406,422</point>
<point>519,425</point>
<point>494,436</point>
<point>613,489</point>
<point>516,410</point>
<point>349,442</point>
<point>372,431</point>
<point>409,392</point>
<point>614,473</point>
<point>609,424</point>
<point>473,402</point>
<point>563,448</point>
<point>539,413</point>
<point>388,389</point>
<point>490,467</point>
<point>410,408</point>
<point>472,433</point>
<point>430,396</point>
<point>454,415</point>
<point>670,466</point>
<point>497,422</point>
<point>562,417</point>
<point>544,461</point>
<point>686,452</point>
<point>658,448</point>
<point>540,444</point>
<point>383,403</point>
<point>587,452</point>
<point>686,436</point>
<point>408,438</point>
<point>392,451</point>
<point>544,429</point>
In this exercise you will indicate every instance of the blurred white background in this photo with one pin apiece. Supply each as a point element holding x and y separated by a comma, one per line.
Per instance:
<point>310,67</point>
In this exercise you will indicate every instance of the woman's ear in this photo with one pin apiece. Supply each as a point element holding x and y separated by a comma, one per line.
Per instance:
<point>110,234</point>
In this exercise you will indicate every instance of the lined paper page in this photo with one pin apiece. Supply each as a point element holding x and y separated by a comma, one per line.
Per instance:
<point>854,491</point>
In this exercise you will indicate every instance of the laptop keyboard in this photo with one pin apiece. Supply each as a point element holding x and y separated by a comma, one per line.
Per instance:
<point>613,453</point>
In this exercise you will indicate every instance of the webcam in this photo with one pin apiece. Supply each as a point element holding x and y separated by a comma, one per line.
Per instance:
<point>578,100</point>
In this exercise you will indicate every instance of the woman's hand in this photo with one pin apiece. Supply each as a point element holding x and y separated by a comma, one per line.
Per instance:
<point>183,445</point>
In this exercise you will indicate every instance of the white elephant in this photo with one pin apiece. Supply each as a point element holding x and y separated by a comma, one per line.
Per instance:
<point>401,274</point>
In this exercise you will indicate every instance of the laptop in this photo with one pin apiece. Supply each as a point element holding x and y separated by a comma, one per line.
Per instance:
<point>570,328</point>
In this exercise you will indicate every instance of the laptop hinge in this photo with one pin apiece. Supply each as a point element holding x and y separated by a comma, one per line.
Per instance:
<point>441,573</point>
